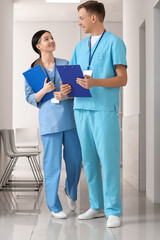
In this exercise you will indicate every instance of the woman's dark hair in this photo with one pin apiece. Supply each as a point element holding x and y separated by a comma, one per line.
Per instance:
<point>32,64</point>
<point>94,7</point>
<point>35,40</point>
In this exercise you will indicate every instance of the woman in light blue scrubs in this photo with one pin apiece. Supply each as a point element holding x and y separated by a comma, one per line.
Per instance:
<point>57,127</point>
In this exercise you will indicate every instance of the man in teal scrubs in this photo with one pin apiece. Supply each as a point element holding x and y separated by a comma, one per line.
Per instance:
<point>102,57</point>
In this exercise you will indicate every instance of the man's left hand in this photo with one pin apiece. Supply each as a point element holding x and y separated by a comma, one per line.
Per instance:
<point>59,96</point>
<point>86,82</point>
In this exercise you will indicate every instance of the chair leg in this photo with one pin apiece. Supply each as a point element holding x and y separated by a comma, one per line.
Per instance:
<point>8,171</point>
<point>22,185</point>
<point>11,170</point>
<point>37,169</point>
<point>33,170</point>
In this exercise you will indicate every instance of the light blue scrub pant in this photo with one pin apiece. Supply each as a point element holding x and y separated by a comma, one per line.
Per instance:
<point>99,137</point>
<point>52,155</point>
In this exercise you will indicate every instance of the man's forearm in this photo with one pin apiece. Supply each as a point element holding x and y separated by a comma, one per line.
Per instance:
<point>117,81</point>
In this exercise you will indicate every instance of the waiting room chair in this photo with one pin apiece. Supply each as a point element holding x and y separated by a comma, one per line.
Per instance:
<point>26,138</point>
<point>11,151</point>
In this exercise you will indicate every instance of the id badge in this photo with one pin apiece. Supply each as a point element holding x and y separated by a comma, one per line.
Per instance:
<point>88,72</point>
<point>54,100</point>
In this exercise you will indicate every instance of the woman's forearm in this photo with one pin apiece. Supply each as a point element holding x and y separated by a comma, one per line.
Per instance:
<point>39,95</point>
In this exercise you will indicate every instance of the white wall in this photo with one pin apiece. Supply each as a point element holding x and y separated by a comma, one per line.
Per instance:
<point>6,48</point>
<point>134,13</point>
<point>157,99</point>
<point>133,16</point>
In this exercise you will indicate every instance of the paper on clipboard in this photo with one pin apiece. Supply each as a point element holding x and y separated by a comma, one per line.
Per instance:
<point>69,74</point>
<point>36,77</point>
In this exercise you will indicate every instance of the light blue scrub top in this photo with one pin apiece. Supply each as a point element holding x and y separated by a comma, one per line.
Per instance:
<point>110,52</point>
<point>53,117</point>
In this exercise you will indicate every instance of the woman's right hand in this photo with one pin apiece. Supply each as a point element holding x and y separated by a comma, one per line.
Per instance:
<point>48,86</point>
<point>65,88</point>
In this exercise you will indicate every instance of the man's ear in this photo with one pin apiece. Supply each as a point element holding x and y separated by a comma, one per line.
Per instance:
<point>94,18</point>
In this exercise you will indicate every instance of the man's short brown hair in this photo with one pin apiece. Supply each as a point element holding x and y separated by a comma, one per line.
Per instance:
<point>94,7</point>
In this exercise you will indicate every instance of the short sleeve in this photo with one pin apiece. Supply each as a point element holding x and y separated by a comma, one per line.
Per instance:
<point>74,58</point>
<point>119,52</point>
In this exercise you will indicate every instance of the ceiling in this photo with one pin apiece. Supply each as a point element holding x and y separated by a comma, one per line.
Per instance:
<point>39,10</point>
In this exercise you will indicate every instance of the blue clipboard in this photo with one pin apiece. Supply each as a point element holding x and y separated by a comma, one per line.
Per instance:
<point>69,74</point>
<point>36,77</point>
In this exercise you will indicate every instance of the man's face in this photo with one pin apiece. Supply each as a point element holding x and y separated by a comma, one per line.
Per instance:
<point>85,20</point>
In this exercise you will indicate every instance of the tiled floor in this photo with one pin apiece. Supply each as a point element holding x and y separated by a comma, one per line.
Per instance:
<point>25,216</point>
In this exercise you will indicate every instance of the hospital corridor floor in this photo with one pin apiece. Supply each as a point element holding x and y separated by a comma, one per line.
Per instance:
<point>25,216</point>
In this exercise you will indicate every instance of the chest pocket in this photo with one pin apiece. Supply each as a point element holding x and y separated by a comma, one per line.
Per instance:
<point>99,61</point>
<point>100,57</point>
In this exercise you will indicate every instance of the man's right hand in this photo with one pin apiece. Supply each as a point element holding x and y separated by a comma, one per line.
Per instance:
<point>48,86</point>
<point>65,88</point>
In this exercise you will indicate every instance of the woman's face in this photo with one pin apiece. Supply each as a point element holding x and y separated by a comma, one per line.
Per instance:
<point>46,43</point>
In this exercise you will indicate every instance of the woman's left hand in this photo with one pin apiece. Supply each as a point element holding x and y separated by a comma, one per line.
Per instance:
<point>59,96</point>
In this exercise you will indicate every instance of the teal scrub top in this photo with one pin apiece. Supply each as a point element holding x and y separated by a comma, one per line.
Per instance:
<point>110,52</point>
<point>53,117</point>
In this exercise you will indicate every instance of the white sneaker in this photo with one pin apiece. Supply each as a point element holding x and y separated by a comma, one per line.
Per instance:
<point>113,221</point>
<point>90,214</point>
<point>71,204</point>
<point>59,214</point>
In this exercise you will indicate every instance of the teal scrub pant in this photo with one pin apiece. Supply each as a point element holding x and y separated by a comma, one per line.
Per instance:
<point>99,137</point>
<point>52,155</point>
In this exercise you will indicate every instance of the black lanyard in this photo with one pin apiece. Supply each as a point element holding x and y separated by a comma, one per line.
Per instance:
<point>89,44</point>
<point>54,72</point>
